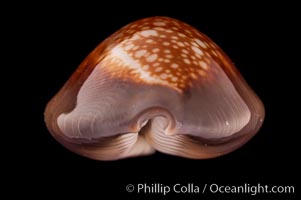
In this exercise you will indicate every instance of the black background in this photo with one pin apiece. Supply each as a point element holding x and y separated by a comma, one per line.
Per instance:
<point>54,39</point>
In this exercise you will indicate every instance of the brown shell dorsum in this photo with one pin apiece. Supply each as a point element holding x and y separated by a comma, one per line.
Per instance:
<point>156,84</point>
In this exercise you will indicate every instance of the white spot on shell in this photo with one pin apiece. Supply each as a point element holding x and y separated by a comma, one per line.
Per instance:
<point>135,37</point>
<point>199,42</point>
<point>140,53</point>
<point>203,65</point>
<point>149,41</point>
<point>181,44</point>
<point>184,55</point>
<point>152,58</point>
<point>163,76</point>
<point>145,67</point>
<point>185,51</point>
<point>145,27</point>
<point>202,73</point>
<point>148,33</point>
<point>159,23</point>
<point>187,61</point>
<point>214,53</point>
<point>159,28</point>
<point>193,75</point>
<point>174,65</point>
<point>181,35</point>
<point>197,50</point>
<point>166,43</point>
<point>174,79</point>
<point>155,50</point>
<point>128,47</point>
<point>158,69</point>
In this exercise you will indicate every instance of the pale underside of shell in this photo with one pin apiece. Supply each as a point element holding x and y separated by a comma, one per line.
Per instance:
<point>156,84</point>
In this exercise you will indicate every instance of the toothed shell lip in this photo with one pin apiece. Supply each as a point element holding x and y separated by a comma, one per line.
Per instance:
<point>156,84</point>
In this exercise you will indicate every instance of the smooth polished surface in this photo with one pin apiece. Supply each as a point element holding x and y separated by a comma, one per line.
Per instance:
<point>156,84</point>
